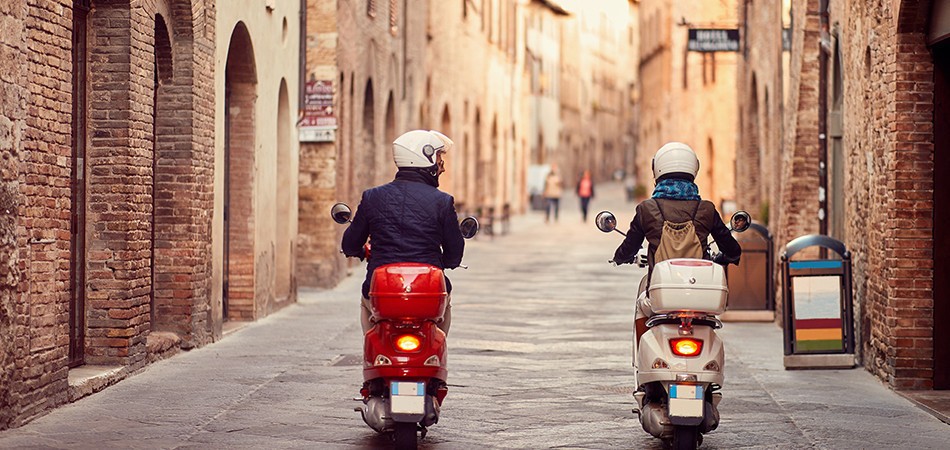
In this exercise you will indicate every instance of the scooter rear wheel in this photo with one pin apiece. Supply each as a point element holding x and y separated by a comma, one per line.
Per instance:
<point>685,438</point>
<point>404,436</point>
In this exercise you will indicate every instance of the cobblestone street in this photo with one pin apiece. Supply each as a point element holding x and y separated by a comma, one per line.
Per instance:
<point>540,357</point>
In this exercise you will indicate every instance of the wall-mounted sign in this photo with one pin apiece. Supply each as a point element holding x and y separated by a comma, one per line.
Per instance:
<point>713,40</point>
<point>317,124</point>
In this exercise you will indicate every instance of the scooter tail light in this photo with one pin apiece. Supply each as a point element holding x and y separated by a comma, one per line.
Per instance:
<point>686,346</point>
<point>660,364</point>
<point>433,361</point>
<point>408,343</point>
<point>712,366</point>
<point>382,360</point>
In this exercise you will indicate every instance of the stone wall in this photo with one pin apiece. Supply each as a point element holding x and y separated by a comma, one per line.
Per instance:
<point>688,96</point>
<point>14,95</point>
<point>761,104</point>
<point>42,338</point>
<point>318,259</point>
<point>139,198</point>
<point>886,73</point>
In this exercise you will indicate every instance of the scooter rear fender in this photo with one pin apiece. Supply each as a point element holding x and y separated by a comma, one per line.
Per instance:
<point>654,350</point>
<point>380,342</point>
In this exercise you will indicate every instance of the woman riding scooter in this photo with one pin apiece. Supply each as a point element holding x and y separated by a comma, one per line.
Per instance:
<point>676,221</point>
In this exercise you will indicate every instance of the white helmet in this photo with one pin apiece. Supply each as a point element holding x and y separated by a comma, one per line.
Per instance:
<point>418,148</point>
<point>675,157</point>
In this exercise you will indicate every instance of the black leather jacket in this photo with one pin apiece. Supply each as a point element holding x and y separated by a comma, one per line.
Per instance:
<point>408,220</point>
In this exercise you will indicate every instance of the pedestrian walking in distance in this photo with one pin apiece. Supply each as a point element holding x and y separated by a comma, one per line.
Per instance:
<point>553,187</point>
<point>585,191</point>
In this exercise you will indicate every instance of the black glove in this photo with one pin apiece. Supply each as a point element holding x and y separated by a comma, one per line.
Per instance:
<point>720,259</point>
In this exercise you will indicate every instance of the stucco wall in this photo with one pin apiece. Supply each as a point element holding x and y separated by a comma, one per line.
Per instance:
<point>276,57</point>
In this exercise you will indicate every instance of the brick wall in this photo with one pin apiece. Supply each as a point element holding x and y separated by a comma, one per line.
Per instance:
<point>887,73</point>
<point>240,243</point>
<point>761,102</point>
<point>40,315</point>
<point>183,175</point>
<point>796,213</point>
<point>206,325</point>
<point>888,124</point>
<point>119,189</point>
<point>13,113</point>
<point>35,129</point>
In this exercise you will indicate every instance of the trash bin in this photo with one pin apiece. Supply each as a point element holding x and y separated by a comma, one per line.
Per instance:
<point>751,283</point>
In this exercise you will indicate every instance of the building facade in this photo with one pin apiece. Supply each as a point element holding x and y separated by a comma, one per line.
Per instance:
<point>863,159</point>
<point>257,51</point>
<point>688,96</point>
<point>599,89</point>
<point>117,249</point>
<point>763,75</point>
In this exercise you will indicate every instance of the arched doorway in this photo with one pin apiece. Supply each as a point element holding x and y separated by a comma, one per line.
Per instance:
<point>491,157</point>
<point>239,104</point>
<point>390,126</point>
<point>480,194</point>
<point>284,203</point>
<point>751,182</point>
<point>162,295</point>
<point>77,241</point>
<point>369,136</point>
<point>451,174</point>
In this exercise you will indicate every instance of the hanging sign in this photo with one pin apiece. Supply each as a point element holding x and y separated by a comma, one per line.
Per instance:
<point>318,123</point>
<point>713,40</point>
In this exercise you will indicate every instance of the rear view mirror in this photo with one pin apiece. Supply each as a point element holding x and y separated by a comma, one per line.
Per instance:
<point>469,227</point>
<point>606,221</point>
<point>740,221</point>
<point>340,213</point>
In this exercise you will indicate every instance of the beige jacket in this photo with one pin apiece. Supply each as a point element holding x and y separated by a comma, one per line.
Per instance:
<point>553,186</point>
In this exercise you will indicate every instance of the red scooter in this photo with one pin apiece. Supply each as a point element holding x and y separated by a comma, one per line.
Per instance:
<point>404,354</point>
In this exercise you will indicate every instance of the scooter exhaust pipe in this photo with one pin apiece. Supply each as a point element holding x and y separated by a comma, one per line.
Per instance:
<point>654,418</point>
<point>375,412</point>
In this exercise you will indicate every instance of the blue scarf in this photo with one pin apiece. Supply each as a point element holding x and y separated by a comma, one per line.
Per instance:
<point>675,189</point>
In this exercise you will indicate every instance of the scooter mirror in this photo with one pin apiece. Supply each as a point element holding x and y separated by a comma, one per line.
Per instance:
<point>606,221</point>
<point>469,227</point>
<point>740,221</point>
<point>340,213</point>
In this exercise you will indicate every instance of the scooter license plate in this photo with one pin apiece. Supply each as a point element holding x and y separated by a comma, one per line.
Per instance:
<point>686,400</point>
<point>407,397</point>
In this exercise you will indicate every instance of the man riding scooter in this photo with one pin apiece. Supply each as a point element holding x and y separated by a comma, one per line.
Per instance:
<point>409,219</point>
<point>405,313</point>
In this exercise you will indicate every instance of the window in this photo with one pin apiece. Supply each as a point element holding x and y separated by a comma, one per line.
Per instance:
<point>393,16</point>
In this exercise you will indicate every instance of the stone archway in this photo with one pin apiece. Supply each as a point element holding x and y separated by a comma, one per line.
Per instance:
<point>283,204</point>
<point>369,136</point>
<point>454,161</point>
<point>240,101</point>
<point>182,185</point>
<point>390,122</point>
<point>162,302</point>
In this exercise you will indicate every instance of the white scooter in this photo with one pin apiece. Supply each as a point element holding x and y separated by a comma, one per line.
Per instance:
<point>679,360</point>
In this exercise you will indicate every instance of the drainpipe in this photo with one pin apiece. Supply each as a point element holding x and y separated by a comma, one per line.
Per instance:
<point>302,58</point>
<point>824,52</point>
